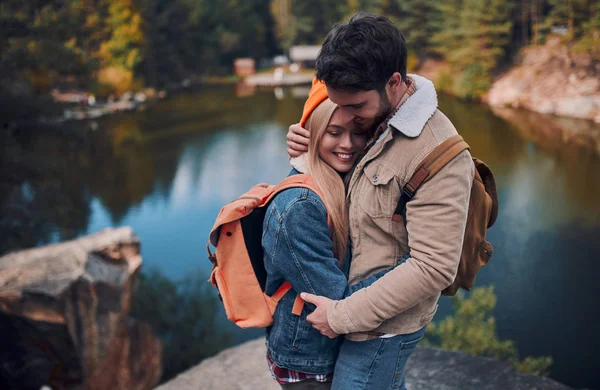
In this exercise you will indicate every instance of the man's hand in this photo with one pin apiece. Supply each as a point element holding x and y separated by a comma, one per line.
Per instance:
<point>297,140</point>
<point>318,318</point>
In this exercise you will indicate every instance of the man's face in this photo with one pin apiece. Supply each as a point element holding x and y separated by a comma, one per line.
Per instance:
<point>366,108</point>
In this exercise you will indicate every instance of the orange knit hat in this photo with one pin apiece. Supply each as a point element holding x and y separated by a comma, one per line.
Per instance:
<point>317,94</point>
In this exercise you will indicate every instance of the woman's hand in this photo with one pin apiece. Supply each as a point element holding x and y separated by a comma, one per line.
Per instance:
<point>318,318</point>
<point>297,140</point>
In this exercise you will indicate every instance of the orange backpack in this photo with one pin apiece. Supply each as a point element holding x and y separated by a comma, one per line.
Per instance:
<point>238,269</point>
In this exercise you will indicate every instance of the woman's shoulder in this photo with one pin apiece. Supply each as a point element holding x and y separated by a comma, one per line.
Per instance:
<point>297,198</point>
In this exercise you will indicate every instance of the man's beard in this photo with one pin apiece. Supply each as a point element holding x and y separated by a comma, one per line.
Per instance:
<point>385,108</point>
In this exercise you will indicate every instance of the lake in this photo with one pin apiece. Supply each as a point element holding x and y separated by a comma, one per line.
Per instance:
<point>167,170</point>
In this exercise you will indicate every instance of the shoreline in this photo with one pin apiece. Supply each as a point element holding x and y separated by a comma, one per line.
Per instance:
<point>550,128</point>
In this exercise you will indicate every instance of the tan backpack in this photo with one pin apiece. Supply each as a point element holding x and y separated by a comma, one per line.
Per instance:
<point>483,208</point>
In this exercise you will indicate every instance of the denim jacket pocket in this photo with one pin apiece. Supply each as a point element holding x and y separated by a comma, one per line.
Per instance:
<point>376,196</point>
<point>296,332</point>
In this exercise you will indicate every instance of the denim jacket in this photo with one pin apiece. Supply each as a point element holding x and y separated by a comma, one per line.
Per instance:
<point>298,249</point>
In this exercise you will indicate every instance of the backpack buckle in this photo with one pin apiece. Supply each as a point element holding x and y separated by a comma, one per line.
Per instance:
<point>408,194</point>
<point>405,196</point>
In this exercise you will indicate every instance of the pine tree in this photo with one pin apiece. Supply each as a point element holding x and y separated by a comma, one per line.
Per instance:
<point>473,37</point>
<point>570,13</point>
<point>485,29</point>
<point>372,6</point>
<point>589,41</point>
<point>419,20</point>
<point>447,39</point>
<point>39,43</point>
<point>305,21</point>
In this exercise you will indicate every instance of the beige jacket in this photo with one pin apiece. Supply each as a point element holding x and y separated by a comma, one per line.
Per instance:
<point>405,299</point>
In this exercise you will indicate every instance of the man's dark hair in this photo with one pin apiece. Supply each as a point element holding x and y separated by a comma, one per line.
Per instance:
<point>362,55</point>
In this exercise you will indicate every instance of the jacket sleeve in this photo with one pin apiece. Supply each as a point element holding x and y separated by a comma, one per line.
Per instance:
<point>365,283</point>
<point>435,220</point>
<point>303,253</point>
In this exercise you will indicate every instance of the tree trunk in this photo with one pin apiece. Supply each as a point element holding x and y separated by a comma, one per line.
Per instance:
<point>524,18</point>
<point>534,21</point>
<point>570,20</point>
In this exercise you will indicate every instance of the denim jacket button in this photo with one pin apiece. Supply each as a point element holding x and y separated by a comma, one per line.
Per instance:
<point>376,177</point>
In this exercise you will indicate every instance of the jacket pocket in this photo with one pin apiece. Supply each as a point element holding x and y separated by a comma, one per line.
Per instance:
<point>406,349</point>
<point>376,192</point>
<point>297,331</point>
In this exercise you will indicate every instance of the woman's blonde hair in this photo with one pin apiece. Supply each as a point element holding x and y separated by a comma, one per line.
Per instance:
<point>327,179</point>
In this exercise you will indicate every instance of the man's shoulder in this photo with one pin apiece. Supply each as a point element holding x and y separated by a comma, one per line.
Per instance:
<point>440,127</point>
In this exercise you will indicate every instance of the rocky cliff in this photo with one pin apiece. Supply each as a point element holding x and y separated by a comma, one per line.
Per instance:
<point>551,79</point>
<point>245,368</point>
<point>63,317</point>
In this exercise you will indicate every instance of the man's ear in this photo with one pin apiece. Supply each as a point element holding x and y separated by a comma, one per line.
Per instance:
<point>395,82</point>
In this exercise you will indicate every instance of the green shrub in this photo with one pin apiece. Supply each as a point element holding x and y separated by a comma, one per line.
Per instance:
<point>472,83</point>
<point>472,329</point>
<point>183,315</point>
<point>444,81</point>
<point>412,63</point>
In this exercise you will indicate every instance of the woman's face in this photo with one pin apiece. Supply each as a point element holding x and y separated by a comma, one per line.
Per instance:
<point>341,143</point>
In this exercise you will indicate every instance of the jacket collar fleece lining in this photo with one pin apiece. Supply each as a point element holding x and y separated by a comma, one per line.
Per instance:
<point>417,109</point>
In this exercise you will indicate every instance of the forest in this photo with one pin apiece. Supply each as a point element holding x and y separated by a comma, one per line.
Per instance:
<point>111,46</point>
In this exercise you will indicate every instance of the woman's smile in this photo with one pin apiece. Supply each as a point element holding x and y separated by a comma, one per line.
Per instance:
<point>341,143</point>
<point>345,157</point>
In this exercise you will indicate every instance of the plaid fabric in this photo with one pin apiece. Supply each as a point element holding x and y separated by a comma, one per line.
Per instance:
<point>284,375</point>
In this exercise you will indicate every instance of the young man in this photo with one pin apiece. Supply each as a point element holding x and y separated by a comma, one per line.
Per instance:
<point>363,66</point>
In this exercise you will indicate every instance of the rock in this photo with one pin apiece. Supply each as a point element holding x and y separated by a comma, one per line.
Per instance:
<point>551,80</point>
<point>245,368</point>
<point>433,368</point>
<point>544,107</point>
<point>63,317</point>
<point>582,107</point>
<point>240,368</point>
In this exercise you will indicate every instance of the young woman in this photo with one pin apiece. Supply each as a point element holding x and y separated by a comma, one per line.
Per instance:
<point>300,248</point>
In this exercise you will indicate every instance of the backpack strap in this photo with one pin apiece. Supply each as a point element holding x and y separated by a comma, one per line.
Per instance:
<point>431,164</point>
<point>281,291</point>
<point>300,180</point>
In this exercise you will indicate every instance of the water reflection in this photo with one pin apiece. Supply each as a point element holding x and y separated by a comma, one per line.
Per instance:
<point>546,187</point>
<point>186,317</point>
<point>41,198</point>
<point>167,171</point>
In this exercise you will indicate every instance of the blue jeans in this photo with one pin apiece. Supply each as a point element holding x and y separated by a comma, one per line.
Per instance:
<point>376,364</point>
